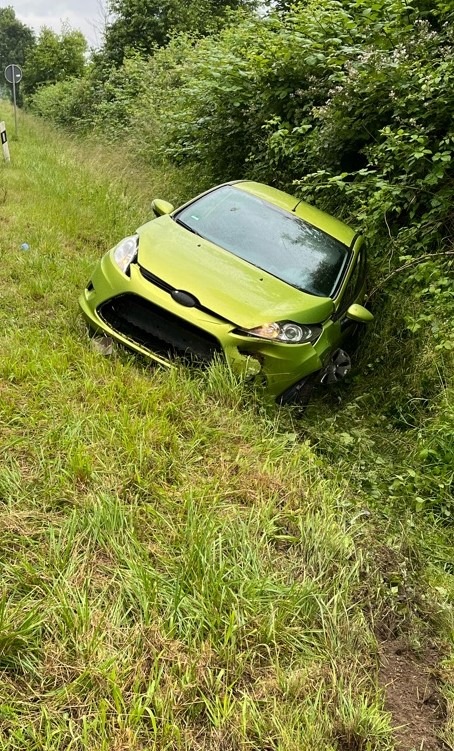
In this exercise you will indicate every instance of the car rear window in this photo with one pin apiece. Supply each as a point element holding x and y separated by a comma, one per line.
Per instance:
<point>270,238</point>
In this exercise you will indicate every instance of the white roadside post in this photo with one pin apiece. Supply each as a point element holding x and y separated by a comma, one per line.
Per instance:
<point>4,138</point>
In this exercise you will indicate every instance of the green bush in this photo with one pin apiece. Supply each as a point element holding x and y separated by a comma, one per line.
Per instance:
<point>67,103</point>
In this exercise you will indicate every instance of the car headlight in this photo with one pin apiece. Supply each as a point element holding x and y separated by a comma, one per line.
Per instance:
<point>126,252</point>
<point>290,333</point>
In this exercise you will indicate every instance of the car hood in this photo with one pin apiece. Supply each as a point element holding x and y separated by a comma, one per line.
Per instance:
<point>231,288</point>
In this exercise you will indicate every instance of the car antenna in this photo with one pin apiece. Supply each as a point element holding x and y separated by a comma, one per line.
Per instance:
<point>296,206</point>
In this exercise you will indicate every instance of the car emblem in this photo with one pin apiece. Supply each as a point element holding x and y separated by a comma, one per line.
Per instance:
<point>184,298</point>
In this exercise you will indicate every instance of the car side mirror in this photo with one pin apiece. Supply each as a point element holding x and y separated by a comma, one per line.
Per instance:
<point>160,207</point>
<point>359,313</point>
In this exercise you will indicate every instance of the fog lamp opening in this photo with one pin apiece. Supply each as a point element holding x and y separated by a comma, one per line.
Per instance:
<point>249,365</point>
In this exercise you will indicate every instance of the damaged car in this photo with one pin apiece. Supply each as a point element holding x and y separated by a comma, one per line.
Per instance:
<point>245,272</point>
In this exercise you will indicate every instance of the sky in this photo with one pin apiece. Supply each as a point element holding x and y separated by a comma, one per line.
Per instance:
<point>86,15</point>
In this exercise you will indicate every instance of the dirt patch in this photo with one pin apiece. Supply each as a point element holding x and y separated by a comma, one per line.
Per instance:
<point>412,696</point>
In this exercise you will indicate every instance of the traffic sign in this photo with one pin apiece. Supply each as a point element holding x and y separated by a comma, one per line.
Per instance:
<point>13,73</point>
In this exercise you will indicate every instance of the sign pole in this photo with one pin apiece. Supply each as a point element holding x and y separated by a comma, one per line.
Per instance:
<point>15,108</point>
<point>13,74</point>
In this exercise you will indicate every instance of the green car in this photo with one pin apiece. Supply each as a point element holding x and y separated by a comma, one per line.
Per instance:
<point>243,271</point>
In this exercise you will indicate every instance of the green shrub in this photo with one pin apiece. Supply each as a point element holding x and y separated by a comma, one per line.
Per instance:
<point>67,103</point>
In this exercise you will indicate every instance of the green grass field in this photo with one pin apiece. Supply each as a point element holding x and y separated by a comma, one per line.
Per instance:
<point>183,567</point>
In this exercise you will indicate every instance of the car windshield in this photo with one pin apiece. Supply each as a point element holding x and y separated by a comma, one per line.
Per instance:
<point>270,238</point>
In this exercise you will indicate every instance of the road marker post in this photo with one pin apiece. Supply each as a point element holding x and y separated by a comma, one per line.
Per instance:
<point>4,139</point>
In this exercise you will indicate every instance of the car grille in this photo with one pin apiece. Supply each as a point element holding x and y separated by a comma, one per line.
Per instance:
<point>157,329</point>
<point>168,288</point>
<point>155,280</point>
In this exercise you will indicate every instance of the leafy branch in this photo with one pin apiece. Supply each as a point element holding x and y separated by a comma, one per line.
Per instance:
<point>414,262</point>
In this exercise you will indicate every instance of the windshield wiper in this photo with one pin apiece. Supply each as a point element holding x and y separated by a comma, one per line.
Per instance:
<point>187,226</point>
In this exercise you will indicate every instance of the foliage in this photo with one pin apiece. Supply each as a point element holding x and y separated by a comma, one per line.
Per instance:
<point>16,42</point>
<point>431,475</point>
<point>67,103</point>
<point>144,26</point>
<point>55,57</point>
<point>124,103</point>
<point>121,91</point>
<point>16,39</point>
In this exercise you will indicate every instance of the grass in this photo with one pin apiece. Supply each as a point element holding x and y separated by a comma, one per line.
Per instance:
<point>181,567</point>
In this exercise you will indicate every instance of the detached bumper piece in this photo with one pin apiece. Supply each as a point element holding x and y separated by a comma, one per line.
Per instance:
<point>298,394</point>
<point>158,330</point>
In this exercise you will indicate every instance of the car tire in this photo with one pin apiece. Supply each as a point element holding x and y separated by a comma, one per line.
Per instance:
<point>299,394</point>
<point>337,367</point>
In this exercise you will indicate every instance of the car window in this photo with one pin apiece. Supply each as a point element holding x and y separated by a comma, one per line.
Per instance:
<point>355,282</point>
<point>270,238</point>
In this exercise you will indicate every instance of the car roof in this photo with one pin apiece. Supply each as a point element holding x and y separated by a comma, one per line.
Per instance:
<point>310,214</point>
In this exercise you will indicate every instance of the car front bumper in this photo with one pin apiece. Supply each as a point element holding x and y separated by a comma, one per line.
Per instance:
<point>145,318</point>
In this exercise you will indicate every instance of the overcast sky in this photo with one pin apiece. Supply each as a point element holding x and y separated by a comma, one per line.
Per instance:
<point>86,15</point>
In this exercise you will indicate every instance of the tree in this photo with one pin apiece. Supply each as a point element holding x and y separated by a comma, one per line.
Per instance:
<point>55,57</point>
<point>143,25</point>
<point>16,39</point>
